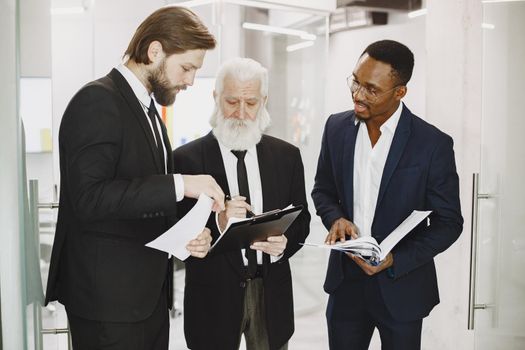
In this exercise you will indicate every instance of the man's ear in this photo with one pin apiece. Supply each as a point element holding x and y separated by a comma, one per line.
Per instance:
<point>265,99</point>
<point>155,52</point>
<point>401,91</point>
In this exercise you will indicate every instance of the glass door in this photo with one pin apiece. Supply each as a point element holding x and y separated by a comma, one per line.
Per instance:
<point>499,294</point>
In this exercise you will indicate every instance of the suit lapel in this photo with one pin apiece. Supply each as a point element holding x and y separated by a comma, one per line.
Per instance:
<point>214,166</point>
<point>138,112</point>
<point>396,151</point>
<point>269,184</point>
<point>348,147</point>
<point>268,181</point>
<point>213,163</point>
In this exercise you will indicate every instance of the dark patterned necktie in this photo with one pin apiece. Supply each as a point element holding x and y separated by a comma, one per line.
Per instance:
<point>244,190</point>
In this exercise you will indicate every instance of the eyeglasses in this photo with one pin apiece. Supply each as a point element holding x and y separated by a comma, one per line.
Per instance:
<point>370,94</point>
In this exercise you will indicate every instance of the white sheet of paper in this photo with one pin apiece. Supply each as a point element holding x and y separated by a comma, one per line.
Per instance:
<point>401,231</point>
<point>174,240</point>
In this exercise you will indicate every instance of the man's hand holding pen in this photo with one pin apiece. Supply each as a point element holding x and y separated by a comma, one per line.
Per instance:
<point>236,207</point>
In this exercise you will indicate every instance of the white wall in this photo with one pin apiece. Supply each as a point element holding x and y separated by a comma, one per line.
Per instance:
<point>35,38</point>
<point>86,46</point>
<point>346,47</point>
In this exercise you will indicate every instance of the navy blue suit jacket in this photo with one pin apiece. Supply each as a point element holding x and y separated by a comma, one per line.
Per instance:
<point>419,174</point>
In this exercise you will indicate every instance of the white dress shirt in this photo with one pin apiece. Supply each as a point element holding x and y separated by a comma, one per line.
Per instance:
<point>144,98</point>
<point>369,163</point>
<point>254,185</point>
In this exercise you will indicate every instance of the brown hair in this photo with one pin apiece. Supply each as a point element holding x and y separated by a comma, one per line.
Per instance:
<point>176,28</point>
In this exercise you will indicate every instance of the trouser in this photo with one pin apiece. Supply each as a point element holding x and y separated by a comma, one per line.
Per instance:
<point>149,334</point>
<point>356,308</point>
<point>253,324</point>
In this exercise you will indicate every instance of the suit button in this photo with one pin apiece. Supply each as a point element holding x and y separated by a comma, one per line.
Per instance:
<point>242,284</point>
<point>144,215</point>
<point>157,214</point>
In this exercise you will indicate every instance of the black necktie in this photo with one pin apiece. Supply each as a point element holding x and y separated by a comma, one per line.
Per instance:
<point>152,113</point>
<point>244,190</point>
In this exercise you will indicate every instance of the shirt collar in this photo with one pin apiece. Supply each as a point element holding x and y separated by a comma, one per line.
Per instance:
<point>136,85</point>
<point>391,122</point>
<point>252,151</point>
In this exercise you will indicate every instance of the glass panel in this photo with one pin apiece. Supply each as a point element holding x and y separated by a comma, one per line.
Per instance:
<point>502,243</point>
<point>36,111</point>
<point>12,289</point>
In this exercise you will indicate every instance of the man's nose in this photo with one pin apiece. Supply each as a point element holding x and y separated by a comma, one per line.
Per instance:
<point>359,92</point>
<point>241,112</point>
<point>189,78</point>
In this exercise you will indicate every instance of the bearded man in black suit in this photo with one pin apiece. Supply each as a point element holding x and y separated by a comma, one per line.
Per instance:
<point>245,292</point>
<point>118,190</point>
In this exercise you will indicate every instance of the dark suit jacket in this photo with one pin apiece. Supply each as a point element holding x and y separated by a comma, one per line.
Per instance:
<point>419,173</point>
<point>114,198</point>
<point>214,294</point>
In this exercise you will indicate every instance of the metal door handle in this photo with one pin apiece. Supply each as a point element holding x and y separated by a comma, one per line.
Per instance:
<point>476,196</point>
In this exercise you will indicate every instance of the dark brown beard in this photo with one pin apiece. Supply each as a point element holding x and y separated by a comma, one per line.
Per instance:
<point>164,94</point>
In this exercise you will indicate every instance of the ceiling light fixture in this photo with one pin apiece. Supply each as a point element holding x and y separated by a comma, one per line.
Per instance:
<point>496,1</point>
<point>295,47</point>
<point>279,30</point>
<point>191,3</point>
<point>417,13</point>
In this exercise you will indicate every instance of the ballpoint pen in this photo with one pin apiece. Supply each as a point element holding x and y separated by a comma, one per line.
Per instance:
<point>249,213</point>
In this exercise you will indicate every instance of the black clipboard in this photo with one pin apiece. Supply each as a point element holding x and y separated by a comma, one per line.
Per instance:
<point>258,228</point>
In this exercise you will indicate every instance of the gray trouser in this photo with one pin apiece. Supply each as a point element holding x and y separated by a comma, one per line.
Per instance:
<point>253,324</point>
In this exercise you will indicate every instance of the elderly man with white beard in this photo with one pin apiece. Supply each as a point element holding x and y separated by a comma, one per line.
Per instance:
<point>246,292</point>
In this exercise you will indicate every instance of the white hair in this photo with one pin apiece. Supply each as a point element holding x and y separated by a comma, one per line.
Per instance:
<point>236,134</point>
<point>242,69</point>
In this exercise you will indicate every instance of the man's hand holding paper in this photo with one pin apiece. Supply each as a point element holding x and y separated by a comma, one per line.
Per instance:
<point>365,251</point>
<point>199,246</point>
<point>372,269</point>
<point>188,236</point>
<point>340,229</point>
<point>196,185</point>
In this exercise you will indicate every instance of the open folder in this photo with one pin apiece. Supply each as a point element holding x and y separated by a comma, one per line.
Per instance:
<point>241,233</point>
<point>367,247</point>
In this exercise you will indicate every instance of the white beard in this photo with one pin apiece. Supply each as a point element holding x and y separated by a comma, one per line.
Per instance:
<point>239,135</point>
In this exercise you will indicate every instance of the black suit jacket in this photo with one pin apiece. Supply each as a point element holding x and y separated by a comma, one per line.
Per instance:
<point>114,198</point>
<point>419,174</point>
<point>214,294</point>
